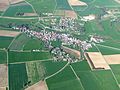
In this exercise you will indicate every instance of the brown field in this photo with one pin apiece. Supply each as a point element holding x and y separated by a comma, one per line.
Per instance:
<point>2,88</point>
<point>3,76</point>
<point>96,60</point>
<point>112,59</point>
<point>15,1</point>
<point>76,3</point>
<point>39,86</point>
<point>9,33</point>
<point>66,13</point>
<point>71,51</point>
<point>30,14</point>
<point>4,4</point>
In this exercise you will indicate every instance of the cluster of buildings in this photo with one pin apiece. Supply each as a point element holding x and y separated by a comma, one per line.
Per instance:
<point>60,55</point>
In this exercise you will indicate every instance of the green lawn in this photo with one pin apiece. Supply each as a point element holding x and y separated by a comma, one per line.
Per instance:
<point>17,76</point>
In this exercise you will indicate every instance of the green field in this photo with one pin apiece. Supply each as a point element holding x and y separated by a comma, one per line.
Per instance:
<point>5,41</point>
<point>35,71</point>
<point>63,5</point>
<point>43,6</point>
<point>17,76</point>
<point>19,42</point>
<point>23,56</point>
<point>116,71</point>
<point>34,44</point>
<point>3,57</point>
<point>65,80</point>
<point>98,80</point>
<point>18,8</point>
<point>81,66</point>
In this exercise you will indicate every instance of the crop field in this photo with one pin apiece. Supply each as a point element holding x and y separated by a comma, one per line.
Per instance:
<point>52,67</point>
<point>93,80</point>
<point>5,41</point>
<point>63,5</point>
<point>19,42</point>
<point>64,80</point>
<point>116,71</point>
<point>23,56</point>
<point>14,9</point>
<point>34,44</point>
<point>3,57</point>
<point>35,71</point>
<point>81,66</point>
<point>46,6</point>
<point>17,76</point>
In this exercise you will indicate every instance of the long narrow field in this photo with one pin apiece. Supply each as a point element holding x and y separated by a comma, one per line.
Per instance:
<point>24,56</point>
<point>3,57</point>
<point>17,76</point>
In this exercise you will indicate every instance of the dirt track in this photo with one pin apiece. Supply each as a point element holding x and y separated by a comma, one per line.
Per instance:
<point>30,14</point>
<point>9,33</point>
<point>39,86</point>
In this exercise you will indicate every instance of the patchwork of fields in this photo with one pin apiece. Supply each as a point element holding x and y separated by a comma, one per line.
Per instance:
<point>27,61</point>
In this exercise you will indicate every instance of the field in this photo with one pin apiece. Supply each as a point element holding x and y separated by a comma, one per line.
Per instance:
<point>34,44</point>
<point>19,42</point>
<point>26,63</point>
<point>43,6</point>
<point>17,76</point>
<point>3,57</point>
<point>116,71</point>
<point>93,80</point>
<point>64,80</point>
<point>5,41</point>
<point>23,56</point>
<point>18,8</point>
<point>3,75</point>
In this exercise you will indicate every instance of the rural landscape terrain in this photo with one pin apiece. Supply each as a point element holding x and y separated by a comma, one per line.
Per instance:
<point>59,44</point>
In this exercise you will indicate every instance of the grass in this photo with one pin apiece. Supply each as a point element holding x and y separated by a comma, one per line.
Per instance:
<point>98,80</point>
<point>3,57</point>
<point>65,80</point>
<point>5,41</point>
<point>27,56</point>
<point>17,76</point>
